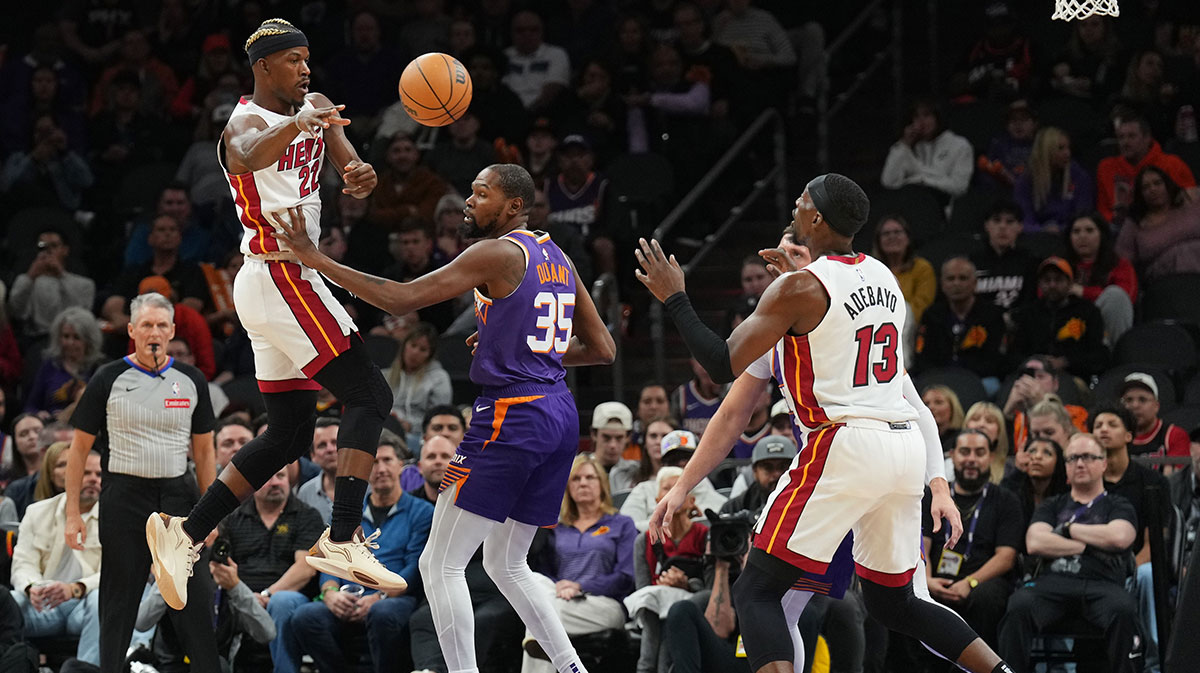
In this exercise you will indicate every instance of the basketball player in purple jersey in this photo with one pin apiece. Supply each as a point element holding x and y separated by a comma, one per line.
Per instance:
<point>510,471</point>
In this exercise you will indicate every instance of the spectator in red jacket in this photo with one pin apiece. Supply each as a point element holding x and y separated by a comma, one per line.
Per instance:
<point>1138,149</point>
<point>189,326</point>
<point>1101,275</point>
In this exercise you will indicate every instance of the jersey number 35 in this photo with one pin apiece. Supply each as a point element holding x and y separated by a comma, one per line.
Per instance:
<point>555,322</point>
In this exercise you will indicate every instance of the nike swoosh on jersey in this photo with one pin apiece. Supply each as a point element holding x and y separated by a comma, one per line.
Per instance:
<point>479,409</point>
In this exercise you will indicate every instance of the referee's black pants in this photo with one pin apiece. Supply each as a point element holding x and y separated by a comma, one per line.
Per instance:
<point>125,503</point>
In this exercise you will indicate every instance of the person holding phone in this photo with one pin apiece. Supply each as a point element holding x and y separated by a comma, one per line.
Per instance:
<point>46,288</point>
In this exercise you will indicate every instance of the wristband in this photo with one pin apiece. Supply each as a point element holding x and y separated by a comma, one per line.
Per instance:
<point>709,349</point>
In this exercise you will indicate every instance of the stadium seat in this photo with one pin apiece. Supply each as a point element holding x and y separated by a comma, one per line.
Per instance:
<point>949,244</point>
<point>976,121</point>
<point>642,183</point>
<point>969,210</point>
<point>1080,120</point>
<point>140,187</point>
<point>382,349</point>
<point>1186,417</point>
<point>244,390</point>
<point>918,205</point>
<point>1191,392</point>
<point>1172,297</point>
<point>1189,152</point>
<point>1165,344</point>
<point>964,382</point>
<point>1108,389</point>
<point>1090,156</point>
<point>1043,244</point>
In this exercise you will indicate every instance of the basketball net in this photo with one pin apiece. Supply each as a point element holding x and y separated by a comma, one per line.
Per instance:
<point>1068,10</point>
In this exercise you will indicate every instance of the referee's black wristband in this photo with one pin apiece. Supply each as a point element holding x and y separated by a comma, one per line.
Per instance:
<point>709,349</point>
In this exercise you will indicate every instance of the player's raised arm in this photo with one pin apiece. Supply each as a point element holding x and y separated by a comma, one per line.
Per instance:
<point>795,301</point>
<point>591,342</point>
<point>359,177</point>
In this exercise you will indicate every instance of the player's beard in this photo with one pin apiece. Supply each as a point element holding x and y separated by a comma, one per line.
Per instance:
<point>471,229</point>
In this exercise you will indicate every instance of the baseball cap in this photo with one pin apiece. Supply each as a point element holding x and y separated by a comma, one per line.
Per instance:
<point>575,140</point>
<point>609,413</point>
<point>678,440</point>
<point>1058,264</point>
<point>780,408</point>
<point>774,446</point>
<point>157,284</point>
<point>1140,380</point>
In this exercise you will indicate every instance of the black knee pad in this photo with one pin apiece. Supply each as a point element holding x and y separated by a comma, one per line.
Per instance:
<point>360,387</point>
<point>899,609</point>
<point>291,419</point>
<point>757,596</point>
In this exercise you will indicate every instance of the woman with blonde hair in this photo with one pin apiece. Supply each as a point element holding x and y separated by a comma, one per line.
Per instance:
<point>1056,188</point>
<point>52,478</point>
<point>947,412</point>
<point>592,570</point>
<point>989,418</point>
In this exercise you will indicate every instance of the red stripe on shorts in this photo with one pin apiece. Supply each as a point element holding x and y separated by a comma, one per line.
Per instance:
<point>787,507</point>
<point>318,324</point>
<point>287,385</point>
<point>886,579</point>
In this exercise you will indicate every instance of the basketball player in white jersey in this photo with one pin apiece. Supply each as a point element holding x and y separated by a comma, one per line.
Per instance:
<point>272,150</point>
<point>835,329</point>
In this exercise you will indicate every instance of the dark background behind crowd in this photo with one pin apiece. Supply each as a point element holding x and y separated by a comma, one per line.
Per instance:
<point>1033,191</point>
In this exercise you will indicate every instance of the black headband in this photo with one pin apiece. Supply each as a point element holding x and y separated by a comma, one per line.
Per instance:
<point>838,221</point>
<point>266,45</point>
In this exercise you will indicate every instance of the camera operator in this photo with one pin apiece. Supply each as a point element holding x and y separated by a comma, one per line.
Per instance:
<point>236,612</point>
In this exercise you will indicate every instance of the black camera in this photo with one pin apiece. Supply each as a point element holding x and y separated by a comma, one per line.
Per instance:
<point>220,550</point>
<point>729,534</point>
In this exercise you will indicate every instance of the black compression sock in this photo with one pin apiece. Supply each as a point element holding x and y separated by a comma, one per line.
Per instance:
<point>213,506</point>
<point>347,507</point>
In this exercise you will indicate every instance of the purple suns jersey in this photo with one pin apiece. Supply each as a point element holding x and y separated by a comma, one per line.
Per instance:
<point>522,337</point>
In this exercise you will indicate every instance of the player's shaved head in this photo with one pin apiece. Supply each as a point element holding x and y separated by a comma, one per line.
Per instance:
<point>514,181</point>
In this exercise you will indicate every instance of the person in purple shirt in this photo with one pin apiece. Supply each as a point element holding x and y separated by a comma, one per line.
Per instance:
<point>533,319</point>
<point>593,556</point>
<point>1055,189</point>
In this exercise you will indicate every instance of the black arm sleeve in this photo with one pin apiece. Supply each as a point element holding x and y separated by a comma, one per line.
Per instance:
<point>709,349</point>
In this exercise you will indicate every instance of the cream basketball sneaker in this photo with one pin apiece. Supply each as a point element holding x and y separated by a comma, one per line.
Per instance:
<point>353,561</point>
<point>172,555</point>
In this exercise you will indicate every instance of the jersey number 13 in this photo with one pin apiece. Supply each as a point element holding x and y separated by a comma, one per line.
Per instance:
<point>885,368</point>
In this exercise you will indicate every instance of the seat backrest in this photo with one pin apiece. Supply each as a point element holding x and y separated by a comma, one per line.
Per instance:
<point>1172,297</point>
<point>1164,344</point>
<point>919,207</point>
<point>382,349</point>
<point>964,382</point>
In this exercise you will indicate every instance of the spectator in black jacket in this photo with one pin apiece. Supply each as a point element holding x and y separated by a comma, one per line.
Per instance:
<point>1066,328</point>
<point>1005,271</point>
<point>961,328</point>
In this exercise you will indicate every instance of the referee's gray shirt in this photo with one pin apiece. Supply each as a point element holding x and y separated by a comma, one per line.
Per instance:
<point>144,420</point>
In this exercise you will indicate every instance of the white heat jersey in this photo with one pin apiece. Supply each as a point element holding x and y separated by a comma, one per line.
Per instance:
<point>293,180</point>
<point>852,364</point>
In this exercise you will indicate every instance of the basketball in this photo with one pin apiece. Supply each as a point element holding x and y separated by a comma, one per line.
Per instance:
<point>435,89</point>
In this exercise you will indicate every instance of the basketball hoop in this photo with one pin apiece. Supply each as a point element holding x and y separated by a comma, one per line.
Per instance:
<point>1068,10</point>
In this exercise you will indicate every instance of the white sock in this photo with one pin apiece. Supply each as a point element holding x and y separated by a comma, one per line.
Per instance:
<point>504,553</point>
<point>453,539</point>
<point>793,606</point>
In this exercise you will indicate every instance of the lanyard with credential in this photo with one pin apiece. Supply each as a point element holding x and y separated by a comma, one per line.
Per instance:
<point>975,521</point>
<point>1084,508</point>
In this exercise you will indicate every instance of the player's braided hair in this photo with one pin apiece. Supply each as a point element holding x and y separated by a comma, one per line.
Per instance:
<point>270,27</point>
<point>271,36</point>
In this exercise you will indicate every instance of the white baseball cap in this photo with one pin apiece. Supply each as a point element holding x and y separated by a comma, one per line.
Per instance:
<point>612,413</point>
<point>1140,380</point>
<point>678,440</point>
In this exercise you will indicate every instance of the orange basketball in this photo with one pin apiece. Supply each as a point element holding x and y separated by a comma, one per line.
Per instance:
<point>435,89</point>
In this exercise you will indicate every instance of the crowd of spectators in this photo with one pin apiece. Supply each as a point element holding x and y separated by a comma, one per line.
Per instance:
<point>1061,225</point>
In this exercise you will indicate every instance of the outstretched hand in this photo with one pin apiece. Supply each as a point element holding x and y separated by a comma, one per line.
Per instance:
<point>290,228</point>
<point>360,179</point>
<point>662,275</point>
<point>315,119</point>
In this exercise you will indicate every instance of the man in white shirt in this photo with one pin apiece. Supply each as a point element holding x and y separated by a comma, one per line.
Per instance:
<point>537,72</point>
<point>55,586</point>
<point>929,154</point>
<point>42,292</point>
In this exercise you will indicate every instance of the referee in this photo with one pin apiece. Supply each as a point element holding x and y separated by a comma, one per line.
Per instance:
<point>143,412</point>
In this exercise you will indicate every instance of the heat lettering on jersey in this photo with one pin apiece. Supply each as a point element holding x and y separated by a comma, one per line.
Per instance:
<point>300,153</point>
<point>868,296</point>
<point>553,273</point>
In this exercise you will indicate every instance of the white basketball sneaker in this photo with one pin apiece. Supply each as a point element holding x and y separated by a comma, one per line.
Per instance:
<point>354,561</point>
<point>172,555</point>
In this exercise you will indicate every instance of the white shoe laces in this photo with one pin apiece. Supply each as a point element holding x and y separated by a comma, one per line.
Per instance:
<point>193,555</point>
<point>369,543</point>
